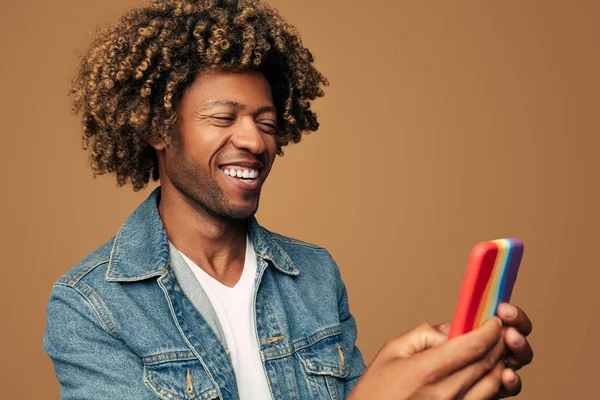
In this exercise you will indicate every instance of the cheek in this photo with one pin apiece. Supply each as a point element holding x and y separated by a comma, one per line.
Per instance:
<point>184,162</point>
<point>271,143</point>
<point>271,149</point>
<point>202,148</point>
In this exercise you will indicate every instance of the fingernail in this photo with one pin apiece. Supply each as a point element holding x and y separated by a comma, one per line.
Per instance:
<point>499,321</point>
<point>512,378</point>
<point>511,311</point>
<point>518,340</point>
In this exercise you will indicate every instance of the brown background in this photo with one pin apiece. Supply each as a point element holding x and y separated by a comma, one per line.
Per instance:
<point>445,124</point>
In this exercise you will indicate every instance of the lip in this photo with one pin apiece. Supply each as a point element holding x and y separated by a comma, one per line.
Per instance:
<point>243,164</point>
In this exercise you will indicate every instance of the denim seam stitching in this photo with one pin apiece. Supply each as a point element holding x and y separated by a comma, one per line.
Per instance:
<point>165,394</point>
<point>274,315</point>
<point>113,250</point>
<point>286,257</point>
<point>185,338</point>
<point>101,310</point>
<point>169,356</point>
<point>307,378</point>
<point>331,387</point>
<point>293,242</point>
<point>119,277</point>
<point>114,334</point>
<point>294,347</point>
<point>74,280</point>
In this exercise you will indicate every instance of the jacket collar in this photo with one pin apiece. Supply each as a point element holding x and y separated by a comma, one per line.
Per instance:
<point>141,248</point>
<point>266,248</point>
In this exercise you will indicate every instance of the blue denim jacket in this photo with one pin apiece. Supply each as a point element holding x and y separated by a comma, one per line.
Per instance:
<point>128,323</point>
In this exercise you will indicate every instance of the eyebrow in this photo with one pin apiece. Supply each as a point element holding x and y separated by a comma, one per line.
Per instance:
<point>239,106</point>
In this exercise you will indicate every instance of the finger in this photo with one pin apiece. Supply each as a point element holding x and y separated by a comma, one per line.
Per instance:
<point>487,387</point>
<point>486,368</point>
<point>459,352</point>
<point>511,384</point>
<point>414,341</point>
<point>511,363</point>
<point>520,352</point>
<point>443,328</point>
<point>513,316</point>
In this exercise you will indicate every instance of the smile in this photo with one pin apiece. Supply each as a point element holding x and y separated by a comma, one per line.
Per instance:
<point>245,174</point>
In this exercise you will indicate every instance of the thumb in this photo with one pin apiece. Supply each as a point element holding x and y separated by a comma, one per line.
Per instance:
<point>444,327</point>
<point>419,339</point>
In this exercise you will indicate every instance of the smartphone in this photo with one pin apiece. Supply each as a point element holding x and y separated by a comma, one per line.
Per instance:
<point>489,280</point>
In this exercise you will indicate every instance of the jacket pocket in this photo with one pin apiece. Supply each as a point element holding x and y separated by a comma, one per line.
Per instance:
<point>325,368</point>
<point>177,379</point>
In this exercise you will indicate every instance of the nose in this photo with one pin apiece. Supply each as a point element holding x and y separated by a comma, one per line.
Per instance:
<point>249,137</point>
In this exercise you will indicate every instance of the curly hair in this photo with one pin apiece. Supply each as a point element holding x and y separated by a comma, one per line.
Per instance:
<point>135,71</point>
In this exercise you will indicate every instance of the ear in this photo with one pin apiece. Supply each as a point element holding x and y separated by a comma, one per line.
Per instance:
<point>157,142</point>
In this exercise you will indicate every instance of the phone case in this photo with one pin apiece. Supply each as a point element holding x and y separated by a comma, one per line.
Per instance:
<point>489,281</point>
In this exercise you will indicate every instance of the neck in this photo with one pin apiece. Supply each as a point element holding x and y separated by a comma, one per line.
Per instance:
<point>217,245</point>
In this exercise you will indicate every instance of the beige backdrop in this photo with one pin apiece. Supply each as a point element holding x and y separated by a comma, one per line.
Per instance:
<point>445,124</point>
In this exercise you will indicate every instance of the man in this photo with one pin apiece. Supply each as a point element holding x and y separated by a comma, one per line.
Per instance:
<point>193,299</point>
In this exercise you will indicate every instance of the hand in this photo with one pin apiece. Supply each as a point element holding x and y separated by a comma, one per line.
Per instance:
<point>422,364</point>
<point>519,352</point>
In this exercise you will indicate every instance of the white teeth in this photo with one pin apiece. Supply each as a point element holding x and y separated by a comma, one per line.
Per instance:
<point>244,174</point>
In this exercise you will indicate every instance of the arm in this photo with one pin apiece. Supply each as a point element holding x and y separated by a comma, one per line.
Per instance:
<point>90,361</point>
<point>352,355</point>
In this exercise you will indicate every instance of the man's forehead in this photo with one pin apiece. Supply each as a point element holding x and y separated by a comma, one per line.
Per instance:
<point>235,104</point>
<point>234,89</point>
<point>222,79</point>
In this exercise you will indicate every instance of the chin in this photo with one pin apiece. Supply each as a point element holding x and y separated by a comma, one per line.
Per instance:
<point>240,212</point>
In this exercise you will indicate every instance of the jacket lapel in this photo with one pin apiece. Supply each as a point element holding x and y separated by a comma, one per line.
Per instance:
<point>200,337</point>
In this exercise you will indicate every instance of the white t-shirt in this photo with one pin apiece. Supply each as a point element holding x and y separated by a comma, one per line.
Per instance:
<point>235,310</point>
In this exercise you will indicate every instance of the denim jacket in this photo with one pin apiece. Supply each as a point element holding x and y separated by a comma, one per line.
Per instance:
<point>131,322</point>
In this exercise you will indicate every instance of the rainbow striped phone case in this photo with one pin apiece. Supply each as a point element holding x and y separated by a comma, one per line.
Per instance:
<point>489,281</point>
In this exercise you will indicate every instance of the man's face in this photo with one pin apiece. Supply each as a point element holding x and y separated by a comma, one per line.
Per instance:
<point>225,145</point>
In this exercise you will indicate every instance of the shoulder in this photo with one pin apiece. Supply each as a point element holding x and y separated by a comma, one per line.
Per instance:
<point>78,297</point>
<point>310,259</point>
<point>287,241</point>
<point>93,264</point>
<point>296,247</point>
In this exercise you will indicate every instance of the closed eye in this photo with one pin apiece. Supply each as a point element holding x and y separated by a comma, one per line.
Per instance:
<point>267,126</point>
<point>222,120</point>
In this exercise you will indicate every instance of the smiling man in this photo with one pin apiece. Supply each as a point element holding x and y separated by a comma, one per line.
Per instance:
<point>193,299</point>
